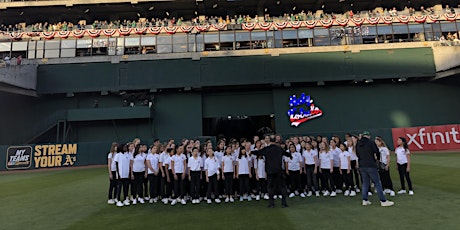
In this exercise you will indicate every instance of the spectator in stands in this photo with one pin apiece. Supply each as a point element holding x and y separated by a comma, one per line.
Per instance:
<point>19,60</point>
<point>7,60</point>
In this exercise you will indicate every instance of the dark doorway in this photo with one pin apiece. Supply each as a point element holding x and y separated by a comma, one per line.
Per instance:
<point>239,126</point>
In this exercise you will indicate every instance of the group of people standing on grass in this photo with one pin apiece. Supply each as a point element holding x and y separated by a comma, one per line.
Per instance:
<point>267,168</point>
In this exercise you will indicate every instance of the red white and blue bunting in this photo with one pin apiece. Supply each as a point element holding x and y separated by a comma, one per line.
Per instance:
<point>356,21</point>
<point>342,21</point>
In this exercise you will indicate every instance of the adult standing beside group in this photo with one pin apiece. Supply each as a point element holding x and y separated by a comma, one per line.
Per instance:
<point>368,153</point>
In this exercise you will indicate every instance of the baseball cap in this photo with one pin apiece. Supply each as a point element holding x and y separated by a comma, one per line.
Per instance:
<point>366,133</point>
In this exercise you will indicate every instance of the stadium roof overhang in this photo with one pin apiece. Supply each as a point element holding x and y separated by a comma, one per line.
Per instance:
<point>55,11</point>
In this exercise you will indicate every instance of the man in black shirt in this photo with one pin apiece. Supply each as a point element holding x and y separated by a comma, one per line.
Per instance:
<point>368,153</point>
<point>275,175</point>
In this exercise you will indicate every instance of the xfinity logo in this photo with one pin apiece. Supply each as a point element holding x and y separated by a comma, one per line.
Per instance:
<point>421,137</point>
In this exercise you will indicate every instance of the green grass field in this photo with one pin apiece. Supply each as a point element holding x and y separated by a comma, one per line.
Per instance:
<point>76,199</point>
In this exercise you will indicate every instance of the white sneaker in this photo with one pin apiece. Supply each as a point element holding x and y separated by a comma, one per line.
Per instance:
<point>333,194</point>
<point>120,204</point>
<point>217,201</point>
<point>317,194</point>
<point>369,193</point>
<point>266,197</point>
<point>291,195</point>
<point>352,193</point>
<point>402,192</point>
<point>232,200</point>
<point>147,198</point>
<point>346,193</point>
<point>111,201</point>
<point>134,201</point>
<point>296,193</point>
<point>249,198</point>
<point>309,193</point>
<point>366,203</point>
<point>338,191</point>
<point>241,198</point>
<point>411,192</point>
<point>387,191</point>
<point>357,190</point>
<point>151,201</point>
<point>386,203</point>
<point>183,202</point>
<point>302,195</point>
<point>126,202</point>
<point>226,200</point>
<point>258,197</point>
<point>326,193</point>
<point>173,202</point>
<point>209,201</point>
<point>141,201</point>
<point>197,201</point>
<point>392,193</point>
<point>275,196</point>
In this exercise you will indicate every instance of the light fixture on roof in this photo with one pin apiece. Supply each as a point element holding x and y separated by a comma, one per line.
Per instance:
<point>265,10</point>
<point>22,12</point>
<point>138,14</point>
<point>86,11</point>
<point>293,8</point>
<point>152,7</point>
<point>278,2</point>
<point>215,6</point>
<point>402,79</point>
<point>196,13</point>
<point>167,13</point>
<point>368,81</point>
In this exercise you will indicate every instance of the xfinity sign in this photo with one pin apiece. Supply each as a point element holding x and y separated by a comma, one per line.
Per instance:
<point>428,138</point>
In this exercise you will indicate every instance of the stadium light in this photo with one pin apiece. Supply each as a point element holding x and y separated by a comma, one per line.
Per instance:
<point>402,79</point>
<point>367,81</point>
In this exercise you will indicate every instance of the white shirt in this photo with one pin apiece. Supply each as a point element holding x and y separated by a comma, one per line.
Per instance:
<point>212,166</point>
<point>113,166</point>
<point>139,162</point>
<point>260,168</point>
<point>194,163</point>
<point>124,162</point>
<point>228,163</point>
<point>344,159</point>
<point>298,147</point>
<point>154,162</point>
<point>325,160</point>
<point>384,153</point>
<point>219,155</point>
<point>309,156</point>
<point>178,163</point>
<point>294,163</point>
<point>243,165</point>
<point>162,157</point>
<point>401,155</point>
<point>353,156</point>
<point>335,156</point>
<point>167,161</point>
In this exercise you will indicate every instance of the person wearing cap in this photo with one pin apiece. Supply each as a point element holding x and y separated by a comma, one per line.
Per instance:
<point>275,175</point>
<point>368,152</point>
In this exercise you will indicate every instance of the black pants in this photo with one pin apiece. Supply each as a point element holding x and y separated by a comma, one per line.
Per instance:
<point>203,184</point>
<point>355,173</point>
<point>179,188</point>
<point>386,179</point>
<point>294,177</point>
<point>276,182</point>
<point>326,182</point>
<point>154,182</point>
<point>137,189</point>
<point>262,186</point>
<point>195,184</point>
<point>244,183</point>
<point>145,184</point>
<point>213,187</point>
<point>346,177</point>
<point>113,185</point>
<point>336,182</point>
<point>123,184</point>
<point>166,187</point>
<point>312,182</point>
<point>228,183</point>
<point>402,169</point>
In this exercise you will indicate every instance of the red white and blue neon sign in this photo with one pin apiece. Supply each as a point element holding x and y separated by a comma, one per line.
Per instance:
<point>302,109</point>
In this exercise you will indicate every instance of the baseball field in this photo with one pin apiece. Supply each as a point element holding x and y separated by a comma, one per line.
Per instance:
<point>77,199</point>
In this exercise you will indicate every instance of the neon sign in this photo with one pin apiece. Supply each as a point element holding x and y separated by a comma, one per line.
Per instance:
<point>302,109</point>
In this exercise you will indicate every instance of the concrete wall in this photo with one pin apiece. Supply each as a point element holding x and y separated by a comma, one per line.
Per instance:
<point>446,57</point>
